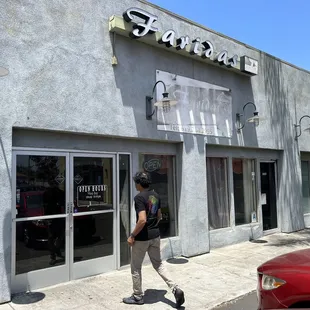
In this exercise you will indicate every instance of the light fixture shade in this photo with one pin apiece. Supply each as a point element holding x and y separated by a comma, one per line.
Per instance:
<point>161,103</point>
<point>254,119</point>
<point>165,101</point>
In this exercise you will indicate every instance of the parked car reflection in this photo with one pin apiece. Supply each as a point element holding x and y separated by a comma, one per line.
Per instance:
<point>36,233</point>
<point>31,205</point>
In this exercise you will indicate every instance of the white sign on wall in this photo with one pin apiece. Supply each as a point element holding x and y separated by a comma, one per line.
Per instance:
<point>202,108</point>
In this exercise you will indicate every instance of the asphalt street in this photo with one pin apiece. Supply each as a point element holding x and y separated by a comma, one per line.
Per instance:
<point>245,302</point>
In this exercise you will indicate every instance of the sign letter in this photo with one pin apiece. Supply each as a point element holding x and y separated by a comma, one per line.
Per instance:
<point>222,58</point>
<point>140,29</point>
<point>208,52</point>
<point>167,38</point>
<point>194,48</point>
<point>182,42</point>
<point>232,62</point>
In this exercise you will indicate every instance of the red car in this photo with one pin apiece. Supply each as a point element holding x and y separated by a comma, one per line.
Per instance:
<point>284,282</point>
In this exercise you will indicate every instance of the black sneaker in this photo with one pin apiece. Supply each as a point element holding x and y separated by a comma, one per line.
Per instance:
<point>179,297</point>
<point>133,300</point>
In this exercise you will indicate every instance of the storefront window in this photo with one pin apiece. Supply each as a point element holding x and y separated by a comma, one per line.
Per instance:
<point>217,186</point>
<point>305,186</point>
<point>161,169</point>
<point>244,178</point>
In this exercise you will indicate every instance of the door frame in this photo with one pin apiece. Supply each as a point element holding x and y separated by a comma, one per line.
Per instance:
<point>19,282</point>
<point>118,213</point>
<point>274,230</point>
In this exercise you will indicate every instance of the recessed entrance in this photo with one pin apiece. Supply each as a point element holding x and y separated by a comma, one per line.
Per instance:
<point>269,195</point>
<point>65,220</point>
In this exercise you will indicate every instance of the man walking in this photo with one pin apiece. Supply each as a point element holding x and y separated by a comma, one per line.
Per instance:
<point>146,238</point>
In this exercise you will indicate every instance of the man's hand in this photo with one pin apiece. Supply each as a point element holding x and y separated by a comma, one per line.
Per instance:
<point>131,240</point>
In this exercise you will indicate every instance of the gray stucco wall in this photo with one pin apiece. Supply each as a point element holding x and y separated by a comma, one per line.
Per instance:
<point>61,79</point>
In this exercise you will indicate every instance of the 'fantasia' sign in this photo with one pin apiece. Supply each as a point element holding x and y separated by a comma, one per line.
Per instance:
<point>201,48</point>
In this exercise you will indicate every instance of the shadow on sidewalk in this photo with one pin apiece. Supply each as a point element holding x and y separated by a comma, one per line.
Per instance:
<point>289,243</point>
<point>177,261</point>
<point>152,296</point>
<point>27,298</point>
<point>300,238</point>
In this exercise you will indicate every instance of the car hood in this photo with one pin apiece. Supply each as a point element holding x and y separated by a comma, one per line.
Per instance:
<point>297,260</point>
<point>34,212</point>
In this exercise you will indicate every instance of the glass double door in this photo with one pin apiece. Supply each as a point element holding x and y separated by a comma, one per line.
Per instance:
<point>64,217</point>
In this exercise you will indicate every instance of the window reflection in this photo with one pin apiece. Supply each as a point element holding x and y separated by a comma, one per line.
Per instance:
<point>40,185</point>
<point>93,191</point>
<point>93,236</point>
<point>161,170</point>
<point>40,191</point>
<point>39,245</point>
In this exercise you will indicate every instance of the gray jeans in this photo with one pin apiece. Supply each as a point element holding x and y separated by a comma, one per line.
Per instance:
<point>138,252</point>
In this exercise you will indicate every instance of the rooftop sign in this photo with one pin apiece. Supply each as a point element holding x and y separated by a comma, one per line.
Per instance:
<point>145,30</point>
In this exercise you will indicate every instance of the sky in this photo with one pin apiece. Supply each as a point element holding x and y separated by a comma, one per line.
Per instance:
<point>278,27</point>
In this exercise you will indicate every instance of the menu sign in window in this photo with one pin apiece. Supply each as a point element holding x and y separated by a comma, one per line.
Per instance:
<point>91,194</point>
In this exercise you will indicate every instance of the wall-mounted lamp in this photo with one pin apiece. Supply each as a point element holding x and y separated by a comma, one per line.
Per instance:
<point>164,103</point>
<point>254,119</point>
<point>299,125</point>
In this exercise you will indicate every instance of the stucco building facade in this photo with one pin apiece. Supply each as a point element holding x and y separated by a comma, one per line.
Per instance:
<point>75,125</point>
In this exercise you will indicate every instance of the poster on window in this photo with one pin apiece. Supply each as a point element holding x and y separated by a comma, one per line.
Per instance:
<point>91,195</point>
<point>201,108</point>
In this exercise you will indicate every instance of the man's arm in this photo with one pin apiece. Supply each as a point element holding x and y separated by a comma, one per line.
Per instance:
<point>140,207</point>
<point>140,224</point>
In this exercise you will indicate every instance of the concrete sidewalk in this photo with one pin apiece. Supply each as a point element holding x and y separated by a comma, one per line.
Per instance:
<point>208,280</point>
